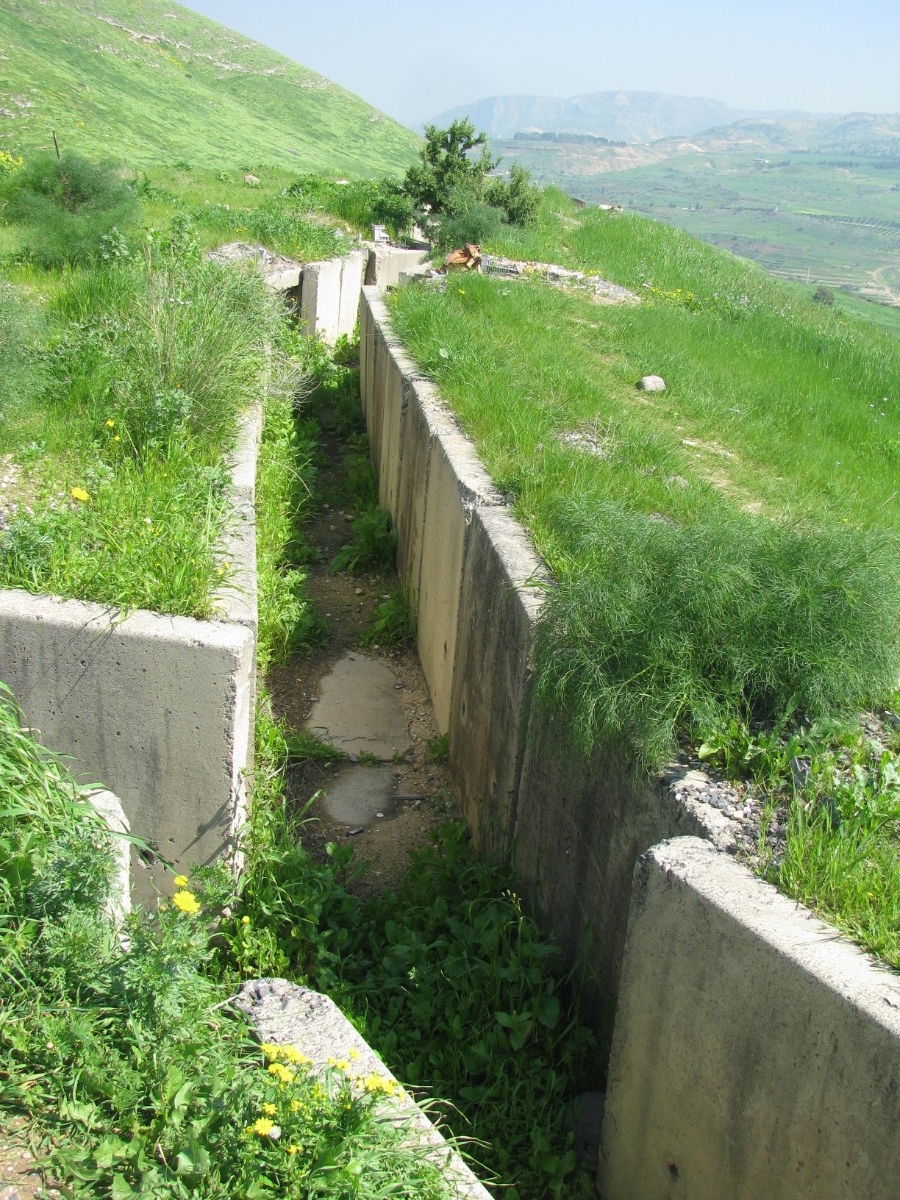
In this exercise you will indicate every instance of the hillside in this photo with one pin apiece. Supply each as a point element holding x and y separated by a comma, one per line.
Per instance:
<point>620,116</point>
<point>814,200</point>
<point>154,82</point>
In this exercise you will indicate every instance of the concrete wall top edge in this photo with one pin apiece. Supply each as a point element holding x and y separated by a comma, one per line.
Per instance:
<point>86,618</point>
<point>790,929</point>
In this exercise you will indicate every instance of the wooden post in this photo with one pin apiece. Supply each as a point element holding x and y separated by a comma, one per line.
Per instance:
<point>56,143</point>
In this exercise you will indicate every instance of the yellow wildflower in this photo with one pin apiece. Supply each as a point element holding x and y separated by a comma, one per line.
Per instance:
<point>265,1127</point>
<point>269,1109</point>
<point>180,881</point>
<point>110,423</point>
<point>353,1052</point>
<point>186,902</point>
<point>245,920</point>
<point>282,1073</point>
<point>294,1149</point>
<point>78,493</point>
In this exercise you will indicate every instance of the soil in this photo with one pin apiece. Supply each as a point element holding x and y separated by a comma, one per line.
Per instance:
<point>424,798</point>
<point>20,1178</point>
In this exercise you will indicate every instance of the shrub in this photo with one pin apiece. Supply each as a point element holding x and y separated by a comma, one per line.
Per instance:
<point>179,348</point>
<point>69,206</point>
<point>519,199</point>
<point>446,164</point>
<point>669,630</point>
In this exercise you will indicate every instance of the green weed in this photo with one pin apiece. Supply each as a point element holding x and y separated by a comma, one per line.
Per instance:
<point>73,211</point>
<point>374,545</point>
<point>122,451</point>
<point>394,622</point>
<point>134,1078</point>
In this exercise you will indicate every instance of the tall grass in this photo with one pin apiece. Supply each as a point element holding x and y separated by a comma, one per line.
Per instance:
<point>123,452</point>
<point>73,210</point>
<point>725,548</point>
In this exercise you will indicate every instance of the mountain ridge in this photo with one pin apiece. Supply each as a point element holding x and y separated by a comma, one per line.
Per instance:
<point>631,116</point>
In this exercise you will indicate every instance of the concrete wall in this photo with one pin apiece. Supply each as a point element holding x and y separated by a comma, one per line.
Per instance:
<point>575,827</point>
<point>757,1054</point>
<point>159,709</point>
<point>387,263</point>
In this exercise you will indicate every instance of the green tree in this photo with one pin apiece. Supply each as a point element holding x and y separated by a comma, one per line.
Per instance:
<point>448,166</point>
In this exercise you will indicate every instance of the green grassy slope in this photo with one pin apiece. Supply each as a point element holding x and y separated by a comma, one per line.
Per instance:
<point>153,82</point>
<point>818,217</point>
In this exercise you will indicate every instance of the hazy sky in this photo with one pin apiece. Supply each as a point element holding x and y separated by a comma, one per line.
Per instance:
<point>416,60</point>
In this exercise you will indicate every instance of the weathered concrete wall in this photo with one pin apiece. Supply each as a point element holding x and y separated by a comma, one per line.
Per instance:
<point>159,709</point>
<point>575,827</point>
<point>320,299</point>
<point>387,263</point>
<point>756,1052</point>
<point>156,708</point>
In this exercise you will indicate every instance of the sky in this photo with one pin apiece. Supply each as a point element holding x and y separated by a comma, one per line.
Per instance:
<point>414,61</point>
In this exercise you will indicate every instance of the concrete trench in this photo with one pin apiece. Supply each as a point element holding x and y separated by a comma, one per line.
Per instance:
<point>753,1051</point>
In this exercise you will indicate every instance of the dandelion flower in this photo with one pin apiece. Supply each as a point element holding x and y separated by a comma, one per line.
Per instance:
<point>186,902</point>
<point>78,493</point>
<point>294,1149</point>
<point>269,1109</point>
<point>245,920</point>
<point>264,1127</point>
<point>180,881</point>
<point>110,423</point>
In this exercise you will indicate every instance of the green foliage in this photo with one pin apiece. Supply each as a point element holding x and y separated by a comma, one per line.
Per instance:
<point>454,984</point>
<point>170,352</point>
<point>638,644</point>
<point>841,856</point>
<point>123,1057</point>
<point>285,475</point>
<point>21,333</point>
<point>725,549</point>
<point>374,544</point>
<point>446,164</point>
<point>823,295</point>
<point>394,623</point>
<point>466,218</point>
<point>73,210</point>
<point>519,199</point>
<point>362,202</point>
<point>147,373</point>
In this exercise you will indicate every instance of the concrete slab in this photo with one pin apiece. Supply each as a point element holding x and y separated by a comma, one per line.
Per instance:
<point>457,484</point>
<point>757,1052</point>
<point>387,263</point>
<point>352,268</point>
<point>360,795</point>
<point>358,710</point>
<point>321,298</point>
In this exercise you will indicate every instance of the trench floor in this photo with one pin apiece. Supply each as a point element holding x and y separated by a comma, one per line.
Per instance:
<point>392,791</point>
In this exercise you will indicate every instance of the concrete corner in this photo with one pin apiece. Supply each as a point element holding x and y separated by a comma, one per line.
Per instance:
<point>756,1053</point>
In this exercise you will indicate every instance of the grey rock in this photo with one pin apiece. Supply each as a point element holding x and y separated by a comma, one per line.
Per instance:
<point>651,383</point>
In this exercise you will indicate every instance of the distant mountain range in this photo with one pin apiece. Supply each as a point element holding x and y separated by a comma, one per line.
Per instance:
<point>619,116</point>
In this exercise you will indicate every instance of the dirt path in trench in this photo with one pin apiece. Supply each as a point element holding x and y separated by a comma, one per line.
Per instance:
<point>421,796</point>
